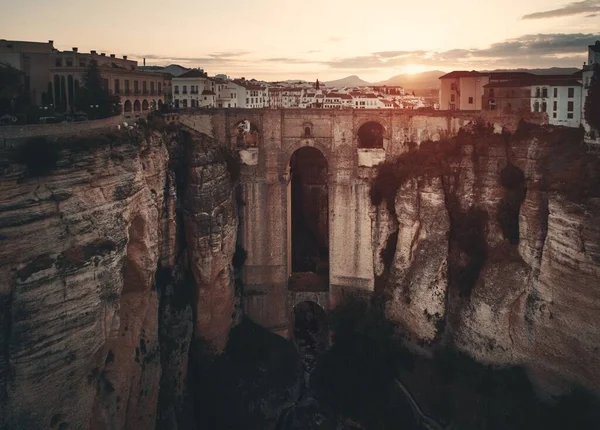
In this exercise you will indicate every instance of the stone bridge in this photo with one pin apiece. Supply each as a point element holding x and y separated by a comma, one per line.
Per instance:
<point>332,195</point>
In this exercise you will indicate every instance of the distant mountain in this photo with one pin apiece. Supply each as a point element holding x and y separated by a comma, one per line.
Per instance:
<point>416,81</point>
<point>349,81</point>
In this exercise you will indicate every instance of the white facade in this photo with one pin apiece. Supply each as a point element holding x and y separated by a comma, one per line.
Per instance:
<point>188,89</point>
<point>228,94</point>
<point>563,103</point>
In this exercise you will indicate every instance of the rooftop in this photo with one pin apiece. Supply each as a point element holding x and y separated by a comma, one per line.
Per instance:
<point>462,74</point>
<point>194,73</point>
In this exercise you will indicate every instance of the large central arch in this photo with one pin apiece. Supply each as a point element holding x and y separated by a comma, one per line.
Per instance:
<point>308,221</point>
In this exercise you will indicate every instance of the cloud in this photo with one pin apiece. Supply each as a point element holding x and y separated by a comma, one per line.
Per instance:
<point>533,50</point>
<point>575,8</point>
<point>334,39</point>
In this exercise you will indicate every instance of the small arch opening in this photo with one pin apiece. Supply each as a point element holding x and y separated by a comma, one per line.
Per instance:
<point>137,106</point>
<point>307,131</point>
<point>244,134</point>
<point>370,135</point>
<point>127,106</point>
<point>145,105</point>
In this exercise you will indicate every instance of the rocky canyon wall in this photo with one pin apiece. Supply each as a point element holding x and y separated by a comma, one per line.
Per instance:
<point>116,252</point>
<point>492,243</point>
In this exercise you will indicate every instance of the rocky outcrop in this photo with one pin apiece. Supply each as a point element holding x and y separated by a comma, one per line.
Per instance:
<point>99,280</point>
<point>497,252</point>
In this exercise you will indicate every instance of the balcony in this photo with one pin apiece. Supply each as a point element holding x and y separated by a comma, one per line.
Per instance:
<point>194,92</point>
<point>145,91</point>
<point>184,92</point>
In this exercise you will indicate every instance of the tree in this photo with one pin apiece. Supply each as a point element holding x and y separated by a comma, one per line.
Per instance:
<point>592,101</point>
<point>13,97</point>
<point>94,97</point>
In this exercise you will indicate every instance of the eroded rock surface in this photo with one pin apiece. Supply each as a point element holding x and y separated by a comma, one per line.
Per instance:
<point>93,261</point>
<point>497,251</point>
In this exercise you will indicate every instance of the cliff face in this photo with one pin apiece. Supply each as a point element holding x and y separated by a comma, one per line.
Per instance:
<point>497,251</point>
<point>90,253</point>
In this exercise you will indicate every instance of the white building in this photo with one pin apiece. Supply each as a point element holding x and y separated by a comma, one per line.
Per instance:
<point>251,95</point>
<point>560,99</point>
<point>228,94</point>
<point>188,89</point>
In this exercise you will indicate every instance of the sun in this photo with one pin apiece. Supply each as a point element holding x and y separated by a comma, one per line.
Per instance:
<point>412,68</point>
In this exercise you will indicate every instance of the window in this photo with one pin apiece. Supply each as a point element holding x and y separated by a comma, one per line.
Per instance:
<point>159,87</point>
<point>543,106</point>
<point>247,100</point>
<point>537,92</point>
<point>544,92</point>
<point>470,100</point>
<point>58,62</point>
<point>136,86</point>
<point>554,105</point>
<point>184,90</point>
<point>492,104</point>
<point>452,106</point>
<point>553,114</point>
<point>453,86</point>
<point>570,106</point>
<point>126,85</point>
<point>152,87</point>
<point>536,107</point>
<point>117,86</point>
<point>571,93</point>
<point>70,63</point>
<point>176,90</point>
<point>555,92</point>
<point>452,98</point>
<point>570,115</point>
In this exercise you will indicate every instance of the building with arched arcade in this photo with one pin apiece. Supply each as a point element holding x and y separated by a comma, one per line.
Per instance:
<point>139,91</point>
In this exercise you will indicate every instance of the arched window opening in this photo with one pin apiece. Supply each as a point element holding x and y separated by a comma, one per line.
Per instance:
<point>309,209</point>
<point>145,105</point>
<point>537,92</point>
<point>184,103</point>
<point>544,92</point>
<point>307,131</point>
<point>543,106</point>
<point>536,107</point>
<point>127,106</point>
<point>370,135</point>
<point>136,106</point>
<point>245,134</point>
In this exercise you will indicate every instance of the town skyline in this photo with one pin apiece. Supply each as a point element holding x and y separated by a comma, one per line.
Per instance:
<point>328,40</point>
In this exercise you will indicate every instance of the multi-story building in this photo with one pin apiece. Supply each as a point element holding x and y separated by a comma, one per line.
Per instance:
<point>290,97</point>
<point>364,100</point>
<point>33,59</point>
<point>189,87</point>
<point>462,90</point>
<point>275,97</point>
<point>252,96</point>
<point>592,66</point>
<point>228,93</point>
<point>139,92</point>
<point>558,96</point>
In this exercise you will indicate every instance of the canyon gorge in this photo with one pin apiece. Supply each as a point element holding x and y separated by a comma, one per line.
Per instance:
<point>128,289</point>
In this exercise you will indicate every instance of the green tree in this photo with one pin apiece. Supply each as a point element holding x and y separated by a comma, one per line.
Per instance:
<point>592,101</point>
<point>94,97</point>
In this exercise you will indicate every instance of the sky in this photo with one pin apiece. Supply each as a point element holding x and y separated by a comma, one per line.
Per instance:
<point>310,39</point>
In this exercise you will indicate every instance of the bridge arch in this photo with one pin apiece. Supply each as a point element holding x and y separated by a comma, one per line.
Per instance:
<point>371,135</point>
<point>308,220</point>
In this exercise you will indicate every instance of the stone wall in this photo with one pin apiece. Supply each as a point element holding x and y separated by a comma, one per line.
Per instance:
<point>10,135</point>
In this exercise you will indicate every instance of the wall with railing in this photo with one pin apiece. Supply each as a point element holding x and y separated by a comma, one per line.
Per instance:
<point>11,134</point>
